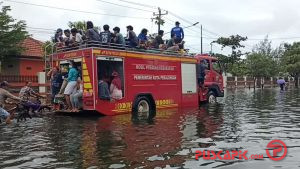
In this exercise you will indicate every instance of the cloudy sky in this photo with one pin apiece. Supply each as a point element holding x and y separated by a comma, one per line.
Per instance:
<point>279,19</point>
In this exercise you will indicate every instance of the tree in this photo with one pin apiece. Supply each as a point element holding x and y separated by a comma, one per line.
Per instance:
<point>234,42</point>
<point>271,57</point>
<point>291,60</point>
<point>12,33</point>
<point>81,25</point>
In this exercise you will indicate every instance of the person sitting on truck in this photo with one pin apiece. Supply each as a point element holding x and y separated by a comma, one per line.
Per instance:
<point>77,96</point>
<point>201,72</point>
<point>58,38</point>
<point>118,37</point>
<point>103,91</point>
<point>105,37</point>
<point>116,86</point>
<point>72,83</point>
<point>131,37</point>
<point>91,34</point>
<point>142,39</point>
<point>4,94</point>
<point>172,46</point>
<point>68,39</point>
<point>76,37</point>
<point>178,31</point>
<point>158,42</point>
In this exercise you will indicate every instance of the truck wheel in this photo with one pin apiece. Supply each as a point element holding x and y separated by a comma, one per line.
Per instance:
<point>142,109</point>
<point>211,97</point>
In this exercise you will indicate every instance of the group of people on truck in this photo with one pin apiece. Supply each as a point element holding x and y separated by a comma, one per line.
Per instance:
<point>106,38</point>
<point>68,84</point>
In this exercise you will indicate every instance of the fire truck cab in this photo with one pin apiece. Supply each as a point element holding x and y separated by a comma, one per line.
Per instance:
<point>150,79</point>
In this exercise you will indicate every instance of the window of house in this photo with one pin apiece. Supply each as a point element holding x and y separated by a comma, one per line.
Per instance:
<point>28,68</point>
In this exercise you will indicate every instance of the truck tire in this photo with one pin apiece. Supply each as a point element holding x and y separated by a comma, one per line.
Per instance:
<point>143,109</point>
<point>211,97</point>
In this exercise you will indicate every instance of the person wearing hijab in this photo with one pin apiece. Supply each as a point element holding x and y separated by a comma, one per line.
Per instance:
<point>116,86</point>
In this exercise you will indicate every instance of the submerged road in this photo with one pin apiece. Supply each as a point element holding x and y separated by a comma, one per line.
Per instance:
<point>244,120</point>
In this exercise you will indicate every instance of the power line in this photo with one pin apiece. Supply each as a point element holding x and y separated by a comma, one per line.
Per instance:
<point>73,10</point>
<point>46,29</point>
<point>139,4</point>
<point>125,6</point>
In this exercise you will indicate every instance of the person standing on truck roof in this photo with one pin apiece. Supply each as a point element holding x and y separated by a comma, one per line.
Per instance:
<point>201,73</point>
<point>131,37</point>
<point>4,94</point>
<point>72,83</point>
<point>91,33</point>
<point>178,31</point>
<point>105,37</point>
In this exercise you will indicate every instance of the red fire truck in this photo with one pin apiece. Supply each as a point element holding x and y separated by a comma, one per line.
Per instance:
<point>150,79</point>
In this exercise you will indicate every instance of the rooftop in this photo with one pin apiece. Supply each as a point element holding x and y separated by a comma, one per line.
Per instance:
<point>33,48</point>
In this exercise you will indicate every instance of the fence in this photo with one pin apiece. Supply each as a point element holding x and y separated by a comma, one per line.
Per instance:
<point>17,82</point>
<point>250,82</point>
<point>18,79</point>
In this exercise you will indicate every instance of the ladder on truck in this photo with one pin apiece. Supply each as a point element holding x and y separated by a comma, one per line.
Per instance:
<point>48,56</point>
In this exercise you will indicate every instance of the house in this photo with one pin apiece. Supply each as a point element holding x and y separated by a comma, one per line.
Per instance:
<point>29,63</point>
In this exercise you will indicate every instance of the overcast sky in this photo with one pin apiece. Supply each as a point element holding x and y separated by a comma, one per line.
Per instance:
<point>279,19</point>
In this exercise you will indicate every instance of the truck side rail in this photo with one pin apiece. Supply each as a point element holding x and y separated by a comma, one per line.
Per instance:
<point>97,44</point>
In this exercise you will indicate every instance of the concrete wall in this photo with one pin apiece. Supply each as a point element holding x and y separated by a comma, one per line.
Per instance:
<point>31,67</point>
<point>10,66</point>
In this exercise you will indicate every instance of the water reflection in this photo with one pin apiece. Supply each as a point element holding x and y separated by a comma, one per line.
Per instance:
<point>244,120</point>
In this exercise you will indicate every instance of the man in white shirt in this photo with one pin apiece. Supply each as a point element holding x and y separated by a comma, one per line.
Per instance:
<point>76,37</point>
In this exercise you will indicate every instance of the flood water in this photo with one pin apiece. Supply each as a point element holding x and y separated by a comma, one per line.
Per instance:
<point>243,120</point>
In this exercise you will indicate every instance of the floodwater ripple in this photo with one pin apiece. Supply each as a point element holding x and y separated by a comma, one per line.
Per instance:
<point>242,120</point>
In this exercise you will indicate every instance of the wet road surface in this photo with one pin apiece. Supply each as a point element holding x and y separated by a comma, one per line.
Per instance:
<point>243,120</point>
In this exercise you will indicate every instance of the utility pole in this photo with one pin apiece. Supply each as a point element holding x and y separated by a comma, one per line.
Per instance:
<point>158,18</point>
<point>201,41</point>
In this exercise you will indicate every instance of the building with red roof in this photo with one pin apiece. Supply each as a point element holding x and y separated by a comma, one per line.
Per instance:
<point>29,63</point>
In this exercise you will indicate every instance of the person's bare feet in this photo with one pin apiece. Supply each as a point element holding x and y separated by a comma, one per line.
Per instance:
<point>8,120</point>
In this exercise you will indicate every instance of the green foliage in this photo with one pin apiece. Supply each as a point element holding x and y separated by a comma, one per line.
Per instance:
<point>158,20</point>
<point>234,42</point>
<point>48,47</point>
<point>291,59</point>
<point>81,25</point>
<point>12,33</point>
<point>259,65</point>
<point>239,68</point>
<point>264,61</point>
